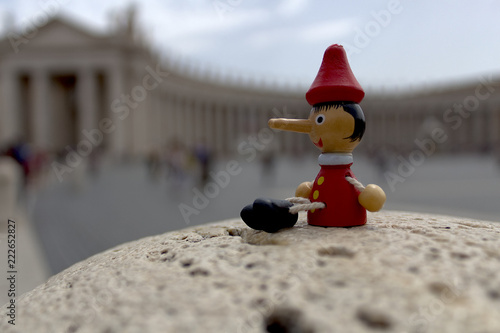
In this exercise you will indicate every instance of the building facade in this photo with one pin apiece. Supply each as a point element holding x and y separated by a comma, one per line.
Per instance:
<point>67,85</point>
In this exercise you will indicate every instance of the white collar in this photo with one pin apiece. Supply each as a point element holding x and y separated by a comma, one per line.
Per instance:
<point>335,159</point>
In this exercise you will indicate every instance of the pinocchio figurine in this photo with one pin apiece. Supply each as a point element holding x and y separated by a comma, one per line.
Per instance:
<point>335,125</point>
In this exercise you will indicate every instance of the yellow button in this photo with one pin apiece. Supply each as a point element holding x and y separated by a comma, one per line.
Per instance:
<point>315,194</point>
<point>313,210</point>
<point>321,180</point>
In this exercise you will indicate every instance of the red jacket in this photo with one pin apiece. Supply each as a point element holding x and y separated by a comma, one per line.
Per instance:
<point>341,198</point>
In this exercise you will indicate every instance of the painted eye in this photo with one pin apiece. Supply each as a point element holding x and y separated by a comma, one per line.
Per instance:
<point>320,119</point>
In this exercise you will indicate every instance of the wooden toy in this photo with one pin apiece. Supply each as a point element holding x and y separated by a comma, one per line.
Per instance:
<point>335,125</point>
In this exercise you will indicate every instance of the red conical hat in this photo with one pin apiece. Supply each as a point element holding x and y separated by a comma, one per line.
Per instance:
<point>335,81</point>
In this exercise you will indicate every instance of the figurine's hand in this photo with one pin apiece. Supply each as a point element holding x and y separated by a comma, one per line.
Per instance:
<point>304,190</point>
<point>372,198</point>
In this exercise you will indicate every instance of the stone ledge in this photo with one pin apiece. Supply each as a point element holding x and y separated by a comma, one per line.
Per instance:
<point>402,272</point>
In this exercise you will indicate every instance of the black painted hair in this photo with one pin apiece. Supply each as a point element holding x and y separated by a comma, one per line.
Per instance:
<point>354,110</point>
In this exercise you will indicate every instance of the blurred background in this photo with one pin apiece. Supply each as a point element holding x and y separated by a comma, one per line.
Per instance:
<point>122,120</point>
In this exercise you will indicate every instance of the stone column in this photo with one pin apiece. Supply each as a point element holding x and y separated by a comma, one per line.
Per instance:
<point>10,180</point>
<point>198,122</point>
<point>383,127</point>
<point>494,127</point>
<point>179,117</point>
<point>41,97</point>
<point>230,142</point>
<point>220,129</point>
<point>241,122</point>
<point>86,89</point>
<point>188,122</point>
<point>156,123</point>
<point>117,110</point>
<point>9,123</point>
<point>209,125</point>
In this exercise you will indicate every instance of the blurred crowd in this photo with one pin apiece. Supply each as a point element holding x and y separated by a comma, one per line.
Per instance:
<point>33,162</point>
<point>180,164</point>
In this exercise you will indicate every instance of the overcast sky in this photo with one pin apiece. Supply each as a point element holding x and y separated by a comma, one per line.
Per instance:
<point>391,43</point>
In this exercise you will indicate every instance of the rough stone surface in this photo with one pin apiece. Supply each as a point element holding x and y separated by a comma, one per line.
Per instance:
<point>402,272</point>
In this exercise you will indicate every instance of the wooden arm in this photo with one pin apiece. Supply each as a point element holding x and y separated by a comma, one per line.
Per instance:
<point>372,198</point>
<point>304,190</point>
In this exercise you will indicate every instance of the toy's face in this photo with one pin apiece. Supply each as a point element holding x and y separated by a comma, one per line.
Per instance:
<point>328,129</point>
<point>331,129</point>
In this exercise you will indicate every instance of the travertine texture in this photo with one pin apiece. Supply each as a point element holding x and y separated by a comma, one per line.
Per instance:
<point>402,272</point>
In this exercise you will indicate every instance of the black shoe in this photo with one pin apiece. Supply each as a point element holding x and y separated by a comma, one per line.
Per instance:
<point>269,215</point>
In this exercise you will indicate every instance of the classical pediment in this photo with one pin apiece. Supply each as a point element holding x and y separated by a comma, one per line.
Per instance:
<point>61,33</point>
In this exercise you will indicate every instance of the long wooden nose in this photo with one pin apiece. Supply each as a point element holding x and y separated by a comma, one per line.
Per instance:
<point>293,125</point>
